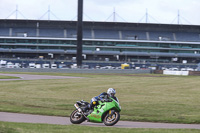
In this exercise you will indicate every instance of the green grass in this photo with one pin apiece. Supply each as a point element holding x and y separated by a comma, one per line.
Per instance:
<point>6,127</point>
<point>8,77</point>
<point>173,99</point>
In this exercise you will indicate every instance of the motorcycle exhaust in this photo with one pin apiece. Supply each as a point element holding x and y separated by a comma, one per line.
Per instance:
<point>80,111</point>
<point>77,107</point>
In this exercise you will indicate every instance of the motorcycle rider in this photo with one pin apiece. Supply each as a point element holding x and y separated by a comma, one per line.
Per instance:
<point>103,96</point>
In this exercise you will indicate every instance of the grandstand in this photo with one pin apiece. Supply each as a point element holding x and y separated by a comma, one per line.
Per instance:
<point>102,41</point>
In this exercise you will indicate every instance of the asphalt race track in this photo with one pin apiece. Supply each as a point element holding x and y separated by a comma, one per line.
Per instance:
<point>28,118</point>
<point>34,77</point>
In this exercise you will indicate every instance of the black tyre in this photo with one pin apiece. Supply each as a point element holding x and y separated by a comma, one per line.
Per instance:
<point>76,117</point>
<point>110,121</point>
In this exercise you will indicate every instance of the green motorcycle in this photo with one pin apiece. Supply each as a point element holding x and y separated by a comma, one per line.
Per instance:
<point>106,111</point>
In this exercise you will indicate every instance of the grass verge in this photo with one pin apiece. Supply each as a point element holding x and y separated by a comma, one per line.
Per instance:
<point>8,77</point>
<point>7,127</point>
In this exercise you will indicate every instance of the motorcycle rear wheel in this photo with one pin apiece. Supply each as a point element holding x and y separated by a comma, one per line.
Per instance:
<point>76,117</point>
<point>110,121</point>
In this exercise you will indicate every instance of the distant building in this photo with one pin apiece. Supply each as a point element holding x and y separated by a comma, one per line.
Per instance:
<point>110,41</point>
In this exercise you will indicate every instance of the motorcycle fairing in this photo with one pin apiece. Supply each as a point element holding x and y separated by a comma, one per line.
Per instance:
<point>103,107</point>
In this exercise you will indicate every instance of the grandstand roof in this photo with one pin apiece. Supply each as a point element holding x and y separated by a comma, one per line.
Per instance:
<point>99,25</point>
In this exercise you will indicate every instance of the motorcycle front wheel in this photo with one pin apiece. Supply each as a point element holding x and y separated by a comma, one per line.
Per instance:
<point>111,120</point>
<point>76,117</point>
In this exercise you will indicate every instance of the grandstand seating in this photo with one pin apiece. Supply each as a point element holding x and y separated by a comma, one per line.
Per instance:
<point>47,32</point>
<point>24,32</point>
<point>71,33</point>
<point>187,36</point>
<point>106,34</point>
<point>4,31</point>
<point>87,33</point>
<point>102,34</point>
<point>161,36</point>
<point>134,35</point>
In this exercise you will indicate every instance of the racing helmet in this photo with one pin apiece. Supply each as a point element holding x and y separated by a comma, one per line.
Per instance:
<point>111,92</point>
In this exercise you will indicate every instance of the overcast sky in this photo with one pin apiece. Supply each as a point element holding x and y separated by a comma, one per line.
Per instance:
<point>159,11</point>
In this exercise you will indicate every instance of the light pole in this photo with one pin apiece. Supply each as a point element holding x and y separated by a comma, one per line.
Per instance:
<point>79,33</point>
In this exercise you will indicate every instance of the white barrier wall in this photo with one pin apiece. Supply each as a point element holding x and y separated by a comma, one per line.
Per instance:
<point>168,72</point>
